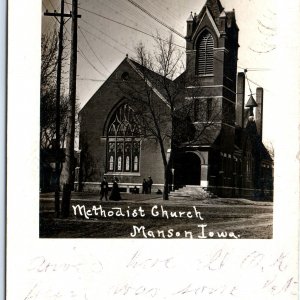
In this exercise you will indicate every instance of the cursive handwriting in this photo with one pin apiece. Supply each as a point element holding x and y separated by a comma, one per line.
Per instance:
<point>220,273</point>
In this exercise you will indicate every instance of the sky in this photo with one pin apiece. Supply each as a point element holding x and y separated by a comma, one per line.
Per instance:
<point>103,44</point>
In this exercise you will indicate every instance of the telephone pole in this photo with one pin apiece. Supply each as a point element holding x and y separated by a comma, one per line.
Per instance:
<point>60,17</point>
<point>70,136</point>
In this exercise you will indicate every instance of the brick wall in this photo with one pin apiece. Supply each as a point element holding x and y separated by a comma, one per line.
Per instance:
<point>94,118</point>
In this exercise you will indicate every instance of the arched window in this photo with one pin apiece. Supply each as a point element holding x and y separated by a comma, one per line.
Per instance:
<point>205,55</point>
<point>123,141</point>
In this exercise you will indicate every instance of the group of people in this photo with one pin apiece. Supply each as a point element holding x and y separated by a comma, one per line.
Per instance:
<point>115,193</point>
<point>147,185</point>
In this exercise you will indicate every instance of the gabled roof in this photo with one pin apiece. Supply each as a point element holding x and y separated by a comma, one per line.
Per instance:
<point>213,22</point>
<point>215,7</point>
<point>154,79</point>
<point>216,10</point>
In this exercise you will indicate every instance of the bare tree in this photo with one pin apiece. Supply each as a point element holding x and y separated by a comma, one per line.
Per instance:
<point>48,89</point>
<point>163,108</point>
<point>48,93</point>
<point>48,101</point>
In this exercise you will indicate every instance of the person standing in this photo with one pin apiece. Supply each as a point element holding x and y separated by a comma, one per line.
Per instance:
<point>115,193</point>
<point>150,182</point>
<point>104,189</point>
<point>145,187</point>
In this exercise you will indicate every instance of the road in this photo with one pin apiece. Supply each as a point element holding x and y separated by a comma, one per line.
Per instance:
<point>147,216</point>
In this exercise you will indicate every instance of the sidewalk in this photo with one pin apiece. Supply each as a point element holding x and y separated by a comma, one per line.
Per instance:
<point>156,199</point>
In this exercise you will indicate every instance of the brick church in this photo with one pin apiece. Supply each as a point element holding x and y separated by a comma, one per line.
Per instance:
<point>227,158</point>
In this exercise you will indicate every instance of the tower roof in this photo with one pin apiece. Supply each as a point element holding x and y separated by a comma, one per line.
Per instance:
<point>251,102</point>
<point>190,18</point>
<point>215,7</point>
<point>216,10</point>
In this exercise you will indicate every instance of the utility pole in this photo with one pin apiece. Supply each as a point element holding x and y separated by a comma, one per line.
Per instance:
<point>60,17</point>
<point>70,136</point>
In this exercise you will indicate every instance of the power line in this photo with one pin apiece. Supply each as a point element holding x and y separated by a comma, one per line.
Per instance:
<point>108,36</point>
<point>128,12</point>
<point>156,19</point>
<point>92,49</point>
<point>88,61</point>
<point>163,40</point>
<point>52,4</point>
<point>255,83</point>
<point>165,9</point>
<point>143,32</point>
<point>99,38</point>
<point>83,55</point>
<point>254,69</point>
<point>90,79</point>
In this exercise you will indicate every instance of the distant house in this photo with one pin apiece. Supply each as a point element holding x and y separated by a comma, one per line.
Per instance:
<point>229,159</point>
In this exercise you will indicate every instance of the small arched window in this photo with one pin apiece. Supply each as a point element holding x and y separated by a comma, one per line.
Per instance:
<point>205,55</point>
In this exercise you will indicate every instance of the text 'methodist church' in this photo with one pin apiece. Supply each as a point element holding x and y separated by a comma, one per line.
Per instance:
<point>230,161</point>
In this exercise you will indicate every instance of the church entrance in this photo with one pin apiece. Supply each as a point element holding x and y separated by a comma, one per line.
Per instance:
<point>187,169</point>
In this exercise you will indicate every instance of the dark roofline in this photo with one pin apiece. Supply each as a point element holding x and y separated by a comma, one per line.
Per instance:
<point>138,66</point>
<point>103,84</point>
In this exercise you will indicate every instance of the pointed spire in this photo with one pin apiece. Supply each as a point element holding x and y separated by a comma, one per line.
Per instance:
<point>215,7</point>
<point>190,18</point>
<point>251,102</point>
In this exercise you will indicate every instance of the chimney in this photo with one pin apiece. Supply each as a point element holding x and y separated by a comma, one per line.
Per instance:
<point>240,99</point>
<point>259,110</point>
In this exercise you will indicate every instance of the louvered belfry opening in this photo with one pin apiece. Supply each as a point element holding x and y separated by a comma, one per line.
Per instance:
<point>205,55</point>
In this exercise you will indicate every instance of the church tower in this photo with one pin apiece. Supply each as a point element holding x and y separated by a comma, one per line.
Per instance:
<point>211,63</point>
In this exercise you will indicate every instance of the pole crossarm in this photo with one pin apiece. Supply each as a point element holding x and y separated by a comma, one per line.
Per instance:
<point>56,14</point>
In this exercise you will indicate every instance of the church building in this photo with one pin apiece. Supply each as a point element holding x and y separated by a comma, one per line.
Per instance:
<point>225,155</point>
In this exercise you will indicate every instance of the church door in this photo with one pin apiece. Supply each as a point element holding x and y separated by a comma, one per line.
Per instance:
<point>187,169</point>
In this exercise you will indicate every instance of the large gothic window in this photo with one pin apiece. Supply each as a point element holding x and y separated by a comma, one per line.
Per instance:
<point>205,55</point>
<point>123,142</point>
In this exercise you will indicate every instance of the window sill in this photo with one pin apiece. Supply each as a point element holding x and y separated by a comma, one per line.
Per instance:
<point>122,174</point>
<point>206,75</point>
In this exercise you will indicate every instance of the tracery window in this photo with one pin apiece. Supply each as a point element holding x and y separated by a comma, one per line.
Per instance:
<point>123,142</point>
<point>205,55</point>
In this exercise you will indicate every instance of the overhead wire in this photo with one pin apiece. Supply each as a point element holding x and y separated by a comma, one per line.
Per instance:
<point>155,18</point>
<point>166,10</point>
<point>84,56</point>
<point>52,4</point>
<point>90,79</point>
<point>99,60</point>
<point>126,12</point>
<point>128,26</point>
<point>81,53</point>
<point>102,32</point>
<point>88,61</point>
<point>104,41</point>
<point>143,32</point>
